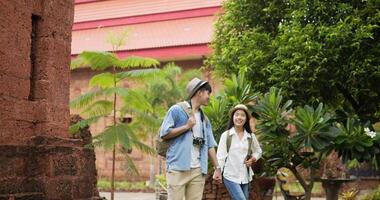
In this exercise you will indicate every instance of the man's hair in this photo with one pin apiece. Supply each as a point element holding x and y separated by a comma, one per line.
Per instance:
<point>204,87</point>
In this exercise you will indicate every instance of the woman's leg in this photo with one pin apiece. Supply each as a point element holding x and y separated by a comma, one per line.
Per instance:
<point>245,188</point>
<point>234,189</point>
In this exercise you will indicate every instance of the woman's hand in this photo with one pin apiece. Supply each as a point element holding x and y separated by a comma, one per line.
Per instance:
<point>217,175</point>
<point>250,161</point>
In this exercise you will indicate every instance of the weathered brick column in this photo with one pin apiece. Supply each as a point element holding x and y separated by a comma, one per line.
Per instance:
<point>38,160</point>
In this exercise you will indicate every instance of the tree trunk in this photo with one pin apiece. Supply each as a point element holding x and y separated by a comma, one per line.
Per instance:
<point>151,174</point>
<point>113,174</point>
<point>308,187</point>
<point>308,193</point>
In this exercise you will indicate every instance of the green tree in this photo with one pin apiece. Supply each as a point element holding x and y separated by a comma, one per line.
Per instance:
<point>314,50</point>
<point>237,90</point>
<point>317,134</point>
<point>149,103</point>
<point>102,101</point>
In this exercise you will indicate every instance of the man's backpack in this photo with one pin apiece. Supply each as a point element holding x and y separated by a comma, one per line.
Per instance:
<point>162,145</point>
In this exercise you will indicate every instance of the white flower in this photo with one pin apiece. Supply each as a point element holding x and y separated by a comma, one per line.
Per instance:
<point>371,134</point>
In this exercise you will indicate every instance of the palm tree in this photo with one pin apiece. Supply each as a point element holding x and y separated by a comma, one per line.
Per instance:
<point>102,100</point>
<point>237,90</point>
<point>149,103</point>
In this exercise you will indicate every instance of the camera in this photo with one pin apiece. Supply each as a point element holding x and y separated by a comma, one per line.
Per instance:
<point>198,141</point>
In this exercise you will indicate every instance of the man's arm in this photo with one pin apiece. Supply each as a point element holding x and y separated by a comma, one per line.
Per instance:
<point>179,130</point>
<point>217,173</point>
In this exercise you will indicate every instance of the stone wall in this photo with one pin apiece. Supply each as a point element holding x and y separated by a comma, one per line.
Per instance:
<point>34,78</point>
<point>38,160</point>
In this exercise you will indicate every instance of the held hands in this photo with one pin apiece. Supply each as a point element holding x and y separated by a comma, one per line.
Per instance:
<point>217,176</point>
<point>250,161</point>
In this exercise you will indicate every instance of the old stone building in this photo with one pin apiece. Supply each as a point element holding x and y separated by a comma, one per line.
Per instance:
<point>38,160</point>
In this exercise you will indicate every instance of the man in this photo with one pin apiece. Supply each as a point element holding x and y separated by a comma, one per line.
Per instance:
<point>191,142</point>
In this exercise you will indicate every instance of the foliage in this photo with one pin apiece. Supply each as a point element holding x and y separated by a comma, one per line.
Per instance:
<point>350,194</point>
<point>317,134</point>
<point>101,101</point>
<point>237,90</point>
<point>105,185</point>
<point>374,195</point>
<point>316,51</point>
<point>149,102</point>
<point>161,181</point>
<point>353,143</point>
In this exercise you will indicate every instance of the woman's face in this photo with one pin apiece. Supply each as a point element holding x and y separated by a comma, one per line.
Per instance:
<point>239,118</point>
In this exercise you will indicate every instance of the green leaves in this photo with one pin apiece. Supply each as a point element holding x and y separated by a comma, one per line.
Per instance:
<point>135,61</point>
<point>103,80</point>
<point>273,116</point>
<point>314,129</point>
<point>352,142</point>
<point>99,60</point>
<point>325,51</point>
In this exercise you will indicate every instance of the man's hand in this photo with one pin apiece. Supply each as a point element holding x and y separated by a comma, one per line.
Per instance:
<point>191,122</point>
<point>250,161</point>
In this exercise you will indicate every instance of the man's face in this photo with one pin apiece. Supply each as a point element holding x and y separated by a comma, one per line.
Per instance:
<point>204,97</point>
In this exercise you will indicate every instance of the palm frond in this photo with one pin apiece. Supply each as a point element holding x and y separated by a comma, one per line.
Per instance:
<point>99,108</point>
<point>103,80</point>
<point>139,73</point>
<point>143,147</point>
<point>73,129</point>
<point>136,61</point>
<point>99,60</point>
<point>130,166</point>
<point>85,99</point>
<point>113,135</point>
<point>116,90</point>
<point>78,62</point>
<point>117,39</point>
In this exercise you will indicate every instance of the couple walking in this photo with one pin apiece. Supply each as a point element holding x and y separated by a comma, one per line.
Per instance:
<point>189,133</point>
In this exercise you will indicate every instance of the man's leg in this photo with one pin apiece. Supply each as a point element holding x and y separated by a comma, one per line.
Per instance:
<point>176,184</point>
<point>234,189</point>
<point>194,188</point>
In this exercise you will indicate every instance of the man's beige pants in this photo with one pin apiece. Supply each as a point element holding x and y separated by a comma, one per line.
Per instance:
<point>186,185</point>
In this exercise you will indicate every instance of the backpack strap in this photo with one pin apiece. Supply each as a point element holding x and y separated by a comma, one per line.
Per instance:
<point>185,107</point>
<point>250,145</point>
<point>229,139</point>
<point>228,143</point>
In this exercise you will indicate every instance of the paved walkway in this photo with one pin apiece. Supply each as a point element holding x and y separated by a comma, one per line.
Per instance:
<point>152,196</point>
<point>129,195</point>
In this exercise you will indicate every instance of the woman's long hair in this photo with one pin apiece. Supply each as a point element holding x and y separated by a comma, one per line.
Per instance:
<point>246,125</point>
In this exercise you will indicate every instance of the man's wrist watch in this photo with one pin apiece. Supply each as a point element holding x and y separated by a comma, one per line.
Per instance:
<point>217,167</point>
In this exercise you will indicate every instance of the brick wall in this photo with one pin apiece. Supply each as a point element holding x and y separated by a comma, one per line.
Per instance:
<point>38,160</point>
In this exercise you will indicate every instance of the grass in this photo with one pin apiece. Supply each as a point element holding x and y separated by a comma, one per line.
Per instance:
<point>105,185</point>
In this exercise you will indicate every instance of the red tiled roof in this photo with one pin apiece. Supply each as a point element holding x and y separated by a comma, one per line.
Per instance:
<point>125,8</point>
<point>182,32</point>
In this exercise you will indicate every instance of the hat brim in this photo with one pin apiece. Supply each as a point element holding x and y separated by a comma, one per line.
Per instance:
<point>246,111</point>
<point>196,88</point>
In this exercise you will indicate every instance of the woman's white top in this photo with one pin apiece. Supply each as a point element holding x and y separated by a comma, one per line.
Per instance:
<point>234,168</point>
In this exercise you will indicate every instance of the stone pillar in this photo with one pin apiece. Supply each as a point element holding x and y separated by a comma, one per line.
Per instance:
<point>38,160</point>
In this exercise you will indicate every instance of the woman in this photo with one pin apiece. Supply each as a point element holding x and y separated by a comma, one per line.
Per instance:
<point>238,149</point>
